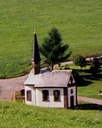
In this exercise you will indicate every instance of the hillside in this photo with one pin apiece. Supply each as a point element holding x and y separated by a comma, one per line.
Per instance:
<point>79,22</point>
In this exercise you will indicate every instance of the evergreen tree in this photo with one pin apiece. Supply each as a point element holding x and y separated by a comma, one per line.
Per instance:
<point>80,61</point>
<point>53,49</point>
<point>95,66</point>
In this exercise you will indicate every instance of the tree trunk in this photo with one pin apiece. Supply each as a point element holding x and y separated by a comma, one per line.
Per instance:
<point>52,65</point>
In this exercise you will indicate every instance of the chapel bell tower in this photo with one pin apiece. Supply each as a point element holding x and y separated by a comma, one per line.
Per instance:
<point>35,56</point>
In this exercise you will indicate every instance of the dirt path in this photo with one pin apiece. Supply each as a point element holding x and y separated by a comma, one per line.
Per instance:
<point>9,86</point>
<point>89,100</point>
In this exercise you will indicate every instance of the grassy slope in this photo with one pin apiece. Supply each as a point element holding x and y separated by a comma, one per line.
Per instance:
<point>91,90</point>
<point>17,115</point>
<point>79,23</point>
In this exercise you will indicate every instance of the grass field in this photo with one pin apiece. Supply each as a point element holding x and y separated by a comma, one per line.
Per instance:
<point>18,115</point>
<point>91,87</point>
<point>79,23</point>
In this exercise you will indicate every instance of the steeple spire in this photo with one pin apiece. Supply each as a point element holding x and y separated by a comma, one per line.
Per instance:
<point>35,55</point>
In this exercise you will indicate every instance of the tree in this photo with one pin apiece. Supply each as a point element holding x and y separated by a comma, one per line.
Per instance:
<point>95,66</point>
<point>53,49</point>
<point>80,61</point>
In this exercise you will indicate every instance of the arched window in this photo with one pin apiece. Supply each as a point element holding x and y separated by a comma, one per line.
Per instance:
<point>71,91</point>
<point>56,94</point>
<point>45,95</point>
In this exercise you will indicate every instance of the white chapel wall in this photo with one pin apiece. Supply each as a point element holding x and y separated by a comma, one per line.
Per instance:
<point>32,102</point>
<point>51,102</point>
<point>73,94</point>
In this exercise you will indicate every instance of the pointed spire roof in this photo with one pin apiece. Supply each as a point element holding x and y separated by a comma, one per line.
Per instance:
<point>35,54</point>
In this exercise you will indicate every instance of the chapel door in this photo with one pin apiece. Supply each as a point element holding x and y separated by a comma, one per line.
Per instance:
<point>72,102</point>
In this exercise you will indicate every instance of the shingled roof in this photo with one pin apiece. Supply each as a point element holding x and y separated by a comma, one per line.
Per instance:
<point>55,78</point>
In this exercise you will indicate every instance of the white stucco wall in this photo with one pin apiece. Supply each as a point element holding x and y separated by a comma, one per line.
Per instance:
<point>69,95</point>
<point>33,95</point>
<point>51,102</point>
<point>37,97</point>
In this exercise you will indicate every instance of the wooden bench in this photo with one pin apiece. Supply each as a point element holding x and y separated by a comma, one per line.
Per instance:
<point>19,97</point>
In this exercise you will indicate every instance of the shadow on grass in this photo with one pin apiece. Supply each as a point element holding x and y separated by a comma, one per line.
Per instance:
<point>89,75</point>
<point>89,107</point>
<point>84,83</point>
<point>82,80</point>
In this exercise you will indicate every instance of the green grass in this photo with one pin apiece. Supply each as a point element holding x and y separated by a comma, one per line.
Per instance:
<point>18,115</point>
<point>79,23</point>
<point>91,90</point>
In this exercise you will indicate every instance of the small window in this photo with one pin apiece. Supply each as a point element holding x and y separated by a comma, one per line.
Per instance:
<point>45,95</point>
<point>29,95</point>
<point>56,95</point>
<point>71,91</point>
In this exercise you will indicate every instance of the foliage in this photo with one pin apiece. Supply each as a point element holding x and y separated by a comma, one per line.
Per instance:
<point>95,66</point>
<point>79,23</point>
<point>53,49</point>
<point>80,61</point>
<point>18,115</point>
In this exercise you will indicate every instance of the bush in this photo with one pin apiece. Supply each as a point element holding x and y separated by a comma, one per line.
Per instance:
<point>80,61</point>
